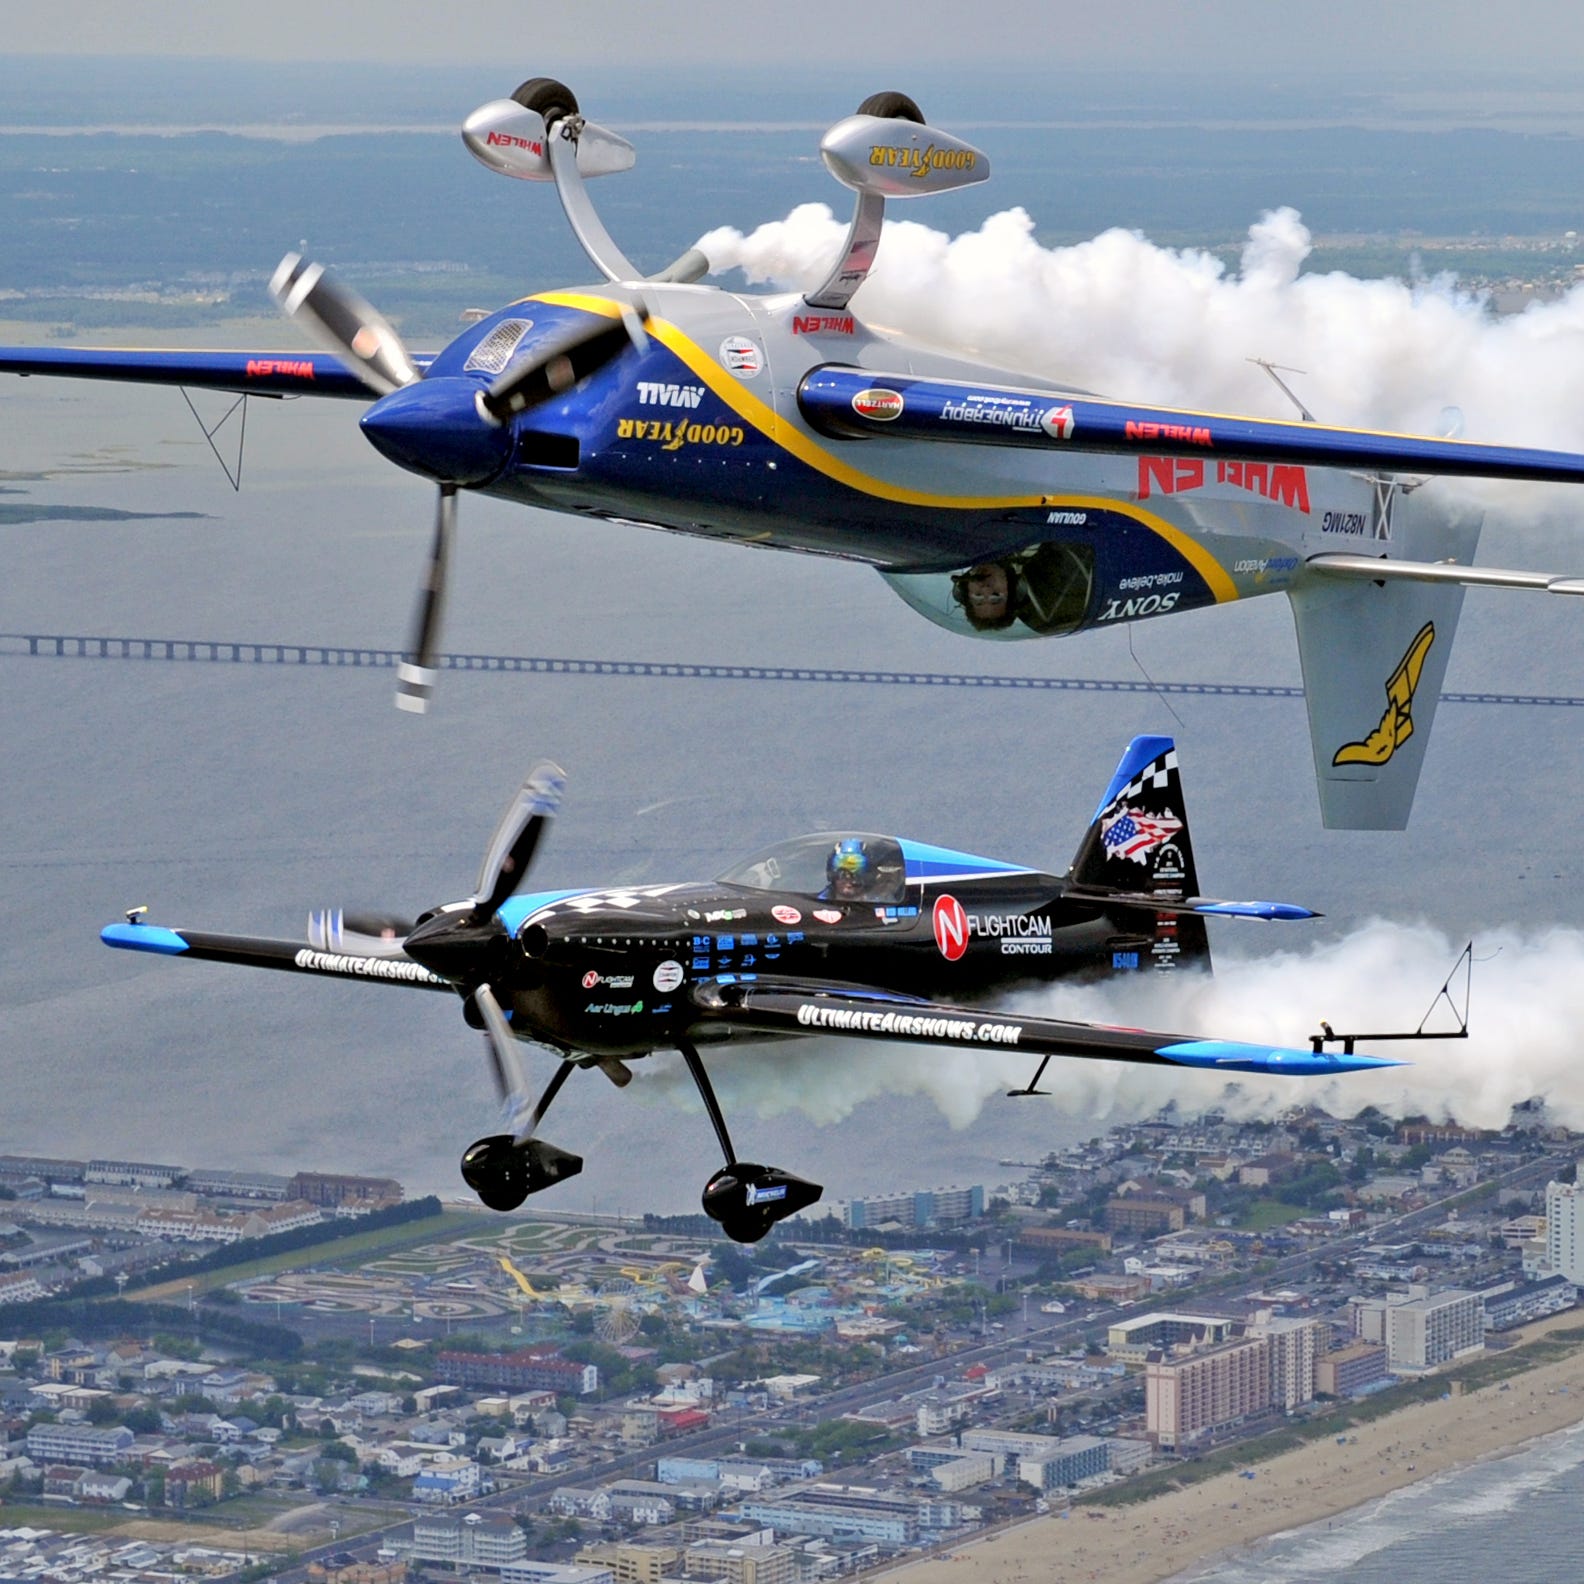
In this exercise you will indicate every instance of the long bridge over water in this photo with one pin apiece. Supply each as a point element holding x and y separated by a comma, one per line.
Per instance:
<point>221,651</point>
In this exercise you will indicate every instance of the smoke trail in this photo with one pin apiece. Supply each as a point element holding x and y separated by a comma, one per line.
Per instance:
<point>1126,318</point>
<point>1528,1009</point>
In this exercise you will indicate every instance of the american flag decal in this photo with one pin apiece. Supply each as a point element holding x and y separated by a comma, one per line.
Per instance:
<point>1135,833</point>
<point>1129,831</point>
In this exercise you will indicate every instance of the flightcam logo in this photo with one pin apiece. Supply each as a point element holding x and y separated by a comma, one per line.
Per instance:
<point>1396,725</point>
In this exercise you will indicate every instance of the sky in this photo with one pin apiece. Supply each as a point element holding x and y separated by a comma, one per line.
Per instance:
<point>1185,35</point>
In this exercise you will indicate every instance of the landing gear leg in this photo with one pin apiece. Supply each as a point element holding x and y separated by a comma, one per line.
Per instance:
<point>745,1198</point>
<point>505,1168</point>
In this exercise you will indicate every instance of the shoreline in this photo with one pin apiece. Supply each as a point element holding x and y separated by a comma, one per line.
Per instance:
<point>1186,1527</point>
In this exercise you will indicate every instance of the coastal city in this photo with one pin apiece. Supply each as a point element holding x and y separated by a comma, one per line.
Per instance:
<point>222,1373</point>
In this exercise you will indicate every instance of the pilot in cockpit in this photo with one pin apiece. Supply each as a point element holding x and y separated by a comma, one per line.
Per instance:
<point>849,871</point>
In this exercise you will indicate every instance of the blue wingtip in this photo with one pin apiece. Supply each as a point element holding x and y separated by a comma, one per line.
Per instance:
<point>1231,1056</point>
<point>143,937</point>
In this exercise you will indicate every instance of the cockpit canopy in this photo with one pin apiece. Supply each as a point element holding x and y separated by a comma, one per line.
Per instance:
<point>843,866</point>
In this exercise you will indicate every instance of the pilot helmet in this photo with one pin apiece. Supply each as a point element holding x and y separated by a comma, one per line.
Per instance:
<point>849,860</point>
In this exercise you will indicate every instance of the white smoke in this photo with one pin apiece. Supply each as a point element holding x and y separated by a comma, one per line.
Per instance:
<point>1125,318</point>
<point>1524,1040</point>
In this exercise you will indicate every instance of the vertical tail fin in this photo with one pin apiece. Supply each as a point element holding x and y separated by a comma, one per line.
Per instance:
<point>1374,656</point>
<point>1138,842</point>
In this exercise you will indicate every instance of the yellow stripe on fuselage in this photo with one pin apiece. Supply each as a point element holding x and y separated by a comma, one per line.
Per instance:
<point>763,417</point>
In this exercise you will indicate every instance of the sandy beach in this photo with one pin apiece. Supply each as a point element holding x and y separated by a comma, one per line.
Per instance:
<point>1154,1539</point>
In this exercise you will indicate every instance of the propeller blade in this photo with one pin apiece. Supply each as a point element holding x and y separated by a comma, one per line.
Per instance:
<point>415,675</point>
<point>358,934</point>
<point>510,1081</point>
<point>517,835</point>
<point>557,369</point>
<point>340,320</point>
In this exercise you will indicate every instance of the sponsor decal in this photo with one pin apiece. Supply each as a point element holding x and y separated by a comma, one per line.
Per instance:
<point>741,357</point>
<point>614,1009</point>
<point>908,1025</point>
<point>880,405</point>
<point>615,981</point>
<point>725,915</point>
<point>506,140</point>
<point>1020,934</point>
<point>1149,580</point>
<point>1168,863</point>
<point>783,914</point>
<point>766,1195</point>
<point>919,162</point>
<point>1135,833</point>
<point>673,436</point>
<point>1067,519</point>
<point>1285,484</point>
<point>1260,566</point>
<point>1344,523</point>
<point>298,368</point>
<point>827,915</point>
<point>823,324</point>
<point>653,393</point>
<point>1396,725</point>
<point>1127,610</point>
<point>950,924</point>
<point>1125,961</point>
<point>1058,423</point>
<point>993,926</point>
<point>1021,414</point>
<point>367,968</point>
<point>668,976</point>
<point>590,979</point>
<point>1189,434</point>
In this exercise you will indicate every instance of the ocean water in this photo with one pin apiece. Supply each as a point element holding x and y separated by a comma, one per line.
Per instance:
<point>1518,1519</point>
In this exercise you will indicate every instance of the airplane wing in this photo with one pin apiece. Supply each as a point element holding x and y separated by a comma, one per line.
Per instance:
<point>253,951</point>
<point>859,404</point>
<point>781,1006</point>
<point>248,373</point>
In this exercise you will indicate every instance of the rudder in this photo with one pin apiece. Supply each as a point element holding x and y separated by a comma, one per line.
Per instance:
<point>1374,656</point>
<point>1138,842</point>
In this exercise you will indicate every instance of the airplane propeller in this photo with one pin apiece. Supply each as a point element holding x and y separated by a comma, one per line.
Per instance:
<point>463,941</point>
<point>446,429</point>
<point>342,322</point>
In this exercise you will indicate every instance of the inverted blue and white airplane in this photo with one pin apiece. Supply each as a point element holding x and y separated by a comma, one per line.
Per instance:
<point>849,934</point>
<point>997,504</point>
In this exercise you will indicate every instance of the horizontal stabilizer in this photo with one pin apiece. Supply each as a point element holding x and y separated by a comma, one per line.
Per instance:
<point>1378,569</point>
<point>1204,906</point>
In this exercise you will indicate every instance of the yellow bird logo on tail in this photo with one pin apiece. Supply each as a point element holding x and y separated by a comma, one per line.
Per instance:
<point>1396,725</point>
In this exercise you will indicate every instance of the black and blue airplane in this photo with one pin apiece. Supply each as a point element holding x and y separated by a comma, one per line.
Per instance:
<point>852,934</point>
<point>997,503</point>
